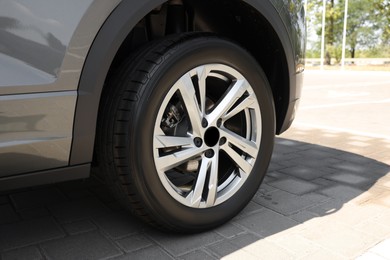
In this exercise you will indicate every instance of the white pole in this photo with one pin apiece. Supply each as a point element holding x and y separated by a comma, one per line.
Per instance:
<point>344,35</point>
<point>306,15</point>
<point>323,34</point>
<point>306,7</point>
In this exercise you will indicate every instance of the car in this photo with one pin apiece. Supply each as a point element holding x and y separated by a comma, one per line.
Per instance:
<point>174,104</point>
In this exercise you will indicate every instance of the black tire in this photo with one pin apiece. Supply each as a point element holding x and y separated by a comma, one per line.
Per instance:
<point>128,114</point>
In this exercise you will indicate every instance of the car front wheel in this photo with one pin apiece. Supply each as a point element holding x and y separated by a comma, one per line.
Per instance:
<point>186,131</point>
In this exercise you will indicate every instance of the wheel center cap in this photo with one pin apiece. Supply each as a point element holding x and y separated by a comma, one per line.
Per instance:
<point>211,137</point>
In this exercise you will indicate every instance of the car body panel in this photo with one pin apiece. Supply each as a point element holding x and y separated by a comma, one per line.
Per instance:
<point>42,54</point>
<point>35,131</point>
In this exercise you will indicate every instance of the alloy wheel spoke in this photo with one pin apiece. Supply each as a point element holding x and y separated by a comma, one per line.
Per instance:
<point>234,93</point>
<point>213,180</point>
<point>243,164</point>
<point>187,91</point>
<point>244,104</point>
<point>170,161</point>
<point>202,75</point>
<point>240,142</point>
<point>195,197</point>
<point>165,141</point>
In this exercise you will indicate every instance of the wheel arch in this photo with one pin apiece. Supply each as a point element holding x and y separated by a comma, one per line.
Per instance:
<point>100,57</point>
<point>120,24</point>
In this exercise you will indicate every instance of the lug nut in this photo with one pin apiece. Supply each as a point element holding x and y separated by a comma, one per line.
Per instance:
<point>209,153</point>
<point>204,123</point>
<point>198,142</point>
<point>219,122</point>
<point>222,141</point>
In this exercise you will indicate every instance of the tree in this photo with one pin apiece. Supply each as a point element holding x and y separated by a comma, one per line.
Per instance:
<point>383,7</point>
<point>365,22</point>
<point>362,25</point>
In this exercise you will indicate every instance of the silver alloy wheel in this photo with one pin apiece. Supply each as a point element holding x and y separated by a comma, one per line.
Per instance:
<point>207,135</point>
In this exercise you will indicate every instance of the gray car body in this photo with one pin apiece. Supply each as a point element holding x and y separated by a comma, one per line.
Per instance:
<point>54,58</point>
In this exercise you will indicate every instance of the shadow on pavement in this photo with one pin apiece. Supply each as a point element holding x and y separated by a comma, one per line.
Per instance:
<point>81,220</point>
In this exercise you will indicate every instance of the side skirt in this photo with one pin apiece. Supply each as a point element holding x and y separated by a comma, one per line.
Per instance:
<point>45,177</point>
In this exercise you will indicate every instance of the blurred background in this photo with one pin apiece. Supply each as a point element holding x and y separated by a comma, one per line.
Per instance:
<point>365,32</point>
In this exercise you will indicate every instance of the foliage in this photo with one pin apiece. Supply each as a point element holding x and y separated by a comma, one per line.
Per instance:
<point>367,28</point>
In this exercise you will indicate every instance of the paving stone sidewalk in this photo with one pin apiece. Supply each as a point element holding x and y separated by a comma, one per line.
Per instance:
<point>326,196</point>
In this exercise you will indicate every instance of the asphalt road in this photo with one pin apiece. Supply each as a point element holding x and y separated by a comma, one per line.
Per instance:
<point>349,101</point>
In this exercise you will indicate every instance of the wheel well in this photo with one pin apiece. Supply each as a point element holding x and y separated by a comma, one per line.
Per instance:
<point>233,19</point>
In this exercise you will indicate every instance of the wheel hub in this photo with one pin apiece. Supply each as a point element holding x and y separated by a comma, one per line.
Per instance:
<point>211,136</point>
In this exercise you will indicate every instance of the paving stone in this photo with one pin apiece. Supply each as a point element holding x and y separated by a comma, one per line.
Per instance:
<point>383,219</point>
<point>225,248</point>
<point>196,255</point>
<point>7,214</point>
<point>249,247</point>
<point>229,230</point>
<point>268,179</point>
<point>79,227</point>
<point>281,158</point>
<point>28,232</point>
<point>348,178</point>
<point>283,149</point>
<point>373,229</point>
<point>384,181</point>
<point>382,249</point>
<point>284,202</point>
<point>326,208</point>
<point>354,158</point>
<point>378,168</point>
<point>3,200</point>
<point>84,246</point>
<point>78,210</point>
<point>324,255</point>
<point>319,152</point>
<point>263,249</point>
<point>276,175</point>
<point>294,186</point>
<point>321,162</point>
<point>133,243</point>
<point>287,142</point>
<point>348,214</point>
<point>296,244</point>
<point>265,188</point>
<point>266,223</point>
<point>275,166</point>
<point>153,252</point>
<point>338,238</point>
<point>304,172</point>
<point>341,192</point>
<point>370,256</point>
<point>351,167</point>
<point>73,185</point>
<point>118,225</point>
<point>37,198</point>
<point>323,182</point>
<point>303,216</point>
<point>182,244</point>
<point>76,194</point>
<point>25,253</point>
<point>315,197</point>
<point>251,208</point>
<point>34,213</point>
